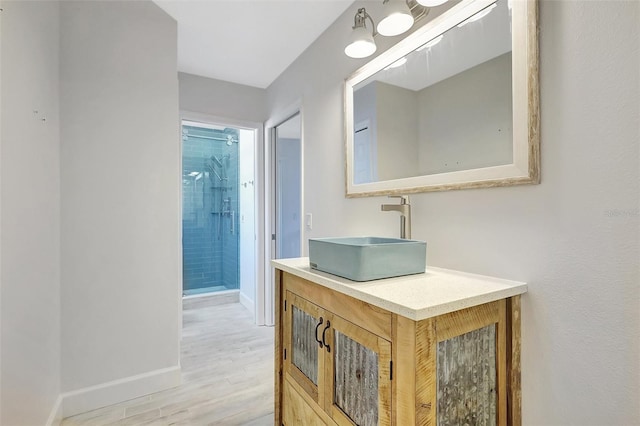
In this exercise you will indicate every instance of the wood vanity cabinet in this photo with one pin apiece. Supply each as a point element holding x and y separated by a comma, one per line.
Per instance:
<point>342,361</point>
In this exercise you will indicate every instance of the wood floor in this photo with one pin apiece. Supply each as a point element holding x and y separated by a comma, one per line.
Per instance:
<point>227,376</point>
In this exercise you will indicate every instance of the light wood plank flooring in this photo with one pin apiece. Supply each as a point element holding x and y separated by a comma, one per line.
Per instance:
<point>227,376</point>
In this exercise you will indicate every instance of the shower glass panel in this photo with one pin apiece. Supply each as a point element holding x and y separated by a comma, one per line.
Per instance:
<point>210,208</point>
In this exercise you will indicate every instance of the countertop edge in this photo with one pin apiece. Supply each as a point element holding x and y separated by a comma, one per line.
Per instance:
<point>343,286</point>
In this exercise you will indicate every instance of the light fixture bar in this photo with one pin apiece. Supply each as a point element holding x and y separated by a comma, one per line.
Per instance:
<point>418,11</point>
<point>361,43</point>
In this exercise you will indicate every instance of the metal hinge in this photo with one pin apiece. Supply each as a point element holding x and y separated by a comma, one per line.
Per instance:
<point>273,237</point>
<point>390,370</point>
<point>285,353</point>
<point>285,305</point>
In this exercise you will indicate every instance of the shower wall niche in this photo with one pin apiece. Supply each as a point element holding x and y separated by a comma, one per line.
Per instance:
<point>210,209</point>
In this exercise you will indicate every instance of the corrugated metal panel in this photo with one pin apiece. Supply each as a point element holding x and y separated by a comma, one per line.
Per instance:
<point>467,379</point>
<point>356,380</point>
<point>305,349</point>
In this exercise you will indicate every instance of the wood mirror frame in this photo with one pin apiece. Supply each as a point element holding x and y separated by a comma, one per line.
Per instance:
<point>525,168</point>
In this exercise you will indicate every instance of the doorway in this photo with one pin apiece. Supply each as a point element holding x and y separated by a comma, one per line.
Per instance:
<point>284,196</point>
<point>219,210</point>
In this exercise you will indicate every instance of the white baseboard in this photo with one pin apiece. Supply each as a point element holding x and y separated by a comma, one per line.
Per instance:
<point>55,418</point>
<point>93,397</point>
<point>247,303</point>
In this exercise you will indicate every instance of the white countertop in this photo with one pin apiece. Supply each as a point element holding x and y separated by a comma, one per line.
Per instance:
<point>438,291</point>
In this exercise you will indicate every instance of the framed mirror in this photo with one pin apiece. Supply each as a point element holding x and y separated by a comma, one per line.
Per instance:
<point>452,106</point>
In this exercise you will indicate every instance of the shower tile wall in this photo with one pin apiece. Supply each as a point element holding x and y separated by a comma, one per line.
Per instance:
<point>210,247</point>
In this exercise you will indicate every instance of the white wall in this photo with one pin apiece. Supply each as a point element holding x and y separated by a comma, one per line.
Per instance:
<point>30,200</point>
<point>247,228</point>
<point>222,98</point>
<point>574,238</point>
<point>120,158</point>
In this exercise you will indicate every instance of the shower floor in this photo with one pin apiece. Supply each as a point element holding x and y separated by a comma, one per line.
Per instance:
<point>202,290</point>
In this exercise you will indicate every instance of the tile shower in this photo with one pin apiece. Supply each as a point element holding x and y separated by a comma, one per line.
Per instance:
<point>210,209</point>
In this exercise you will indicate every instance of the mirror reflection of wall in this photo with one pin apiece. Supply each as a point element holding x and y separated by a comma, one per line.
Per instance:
<point>365,167</point>
<point>288,187</point>
<point>447,107</point>
<point>391,115</point>
<point>466,119</point>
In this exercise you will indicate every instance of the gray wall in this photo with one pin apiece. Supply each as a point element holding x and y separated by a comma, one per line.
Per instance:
<point>222,98</point>
<point>397,111</point>
<point>365,139</point>
<point>467,119</point>
<point>574,238</point>
<point>30,212</point>
<point>120,162</point>
<point>90,277</point>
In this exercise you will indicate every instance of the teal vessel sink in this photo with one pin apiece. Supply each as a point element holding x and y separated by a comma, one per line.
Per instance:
<point>367,258</point>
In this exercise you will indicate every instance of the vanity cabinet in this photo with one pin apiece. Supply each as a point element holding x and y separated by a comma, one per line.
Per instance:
<point>343,361</point>
<point>334,371</point>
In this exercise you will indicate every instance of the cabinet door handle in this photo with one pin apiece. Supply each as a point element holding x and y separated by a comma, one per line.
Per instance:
<point>323,336</point>
<point>318,326</point>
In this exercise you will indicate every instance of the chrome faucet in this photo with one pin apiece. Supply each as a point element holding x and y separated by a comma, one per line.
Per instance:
<point>404,208</point>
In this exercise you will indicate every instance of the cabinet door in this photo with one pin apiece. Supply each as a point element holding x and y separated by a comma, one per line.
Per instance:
<point>358,390</point>
<point>471,384</point>
<point>303,321</point>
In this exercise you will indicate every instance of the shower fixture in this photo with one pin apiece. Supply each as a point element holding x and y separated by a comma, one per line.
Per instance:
<point>216,160</point>
<point>227,138</point>
<point>212,172</point>
<point>220,205</point>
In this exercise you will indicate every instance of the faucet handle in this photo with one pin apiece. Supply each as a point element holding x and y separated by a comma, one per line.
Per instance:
<point>404,199</point>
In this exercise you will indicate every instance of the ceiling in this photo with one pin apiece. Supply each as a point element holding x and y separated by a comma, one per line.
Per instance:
<point>460,48</point>
<point>248,42</point>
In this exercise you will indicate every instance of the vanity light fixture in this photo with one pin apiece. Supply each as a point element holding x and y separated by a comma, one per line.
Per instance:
<point>400,15</point>
<point>397,18</point>
<point>477,16</point>
<point>361,42</point>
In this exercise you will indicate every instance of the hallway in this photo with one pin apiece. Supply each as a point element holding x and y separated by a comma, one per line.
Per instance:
<point>227,376</point>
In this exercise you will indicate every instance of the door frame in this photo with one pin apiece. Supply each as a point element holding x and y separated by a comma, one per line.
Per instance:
<point>259,287</point>
<point>270,201</point>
